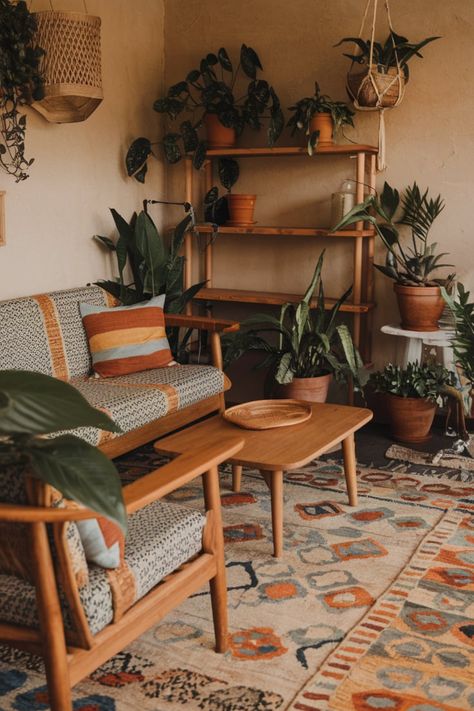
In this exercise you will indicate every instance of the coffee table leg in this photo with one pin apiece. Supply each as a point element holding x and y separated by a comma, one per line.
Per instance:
<point>236,477</point>
<point>348,450</point>
<point>276,493</point>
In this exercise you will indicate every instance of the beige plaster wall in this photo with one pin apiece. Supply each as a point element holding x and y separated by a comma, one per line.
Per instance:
<point>78,171</point>
<point>430,137</point>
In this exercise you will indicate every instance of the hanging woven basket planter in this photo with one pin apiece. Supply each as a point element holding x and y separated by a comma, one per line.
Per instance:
<point>71,66</point>
<point>375,89</point>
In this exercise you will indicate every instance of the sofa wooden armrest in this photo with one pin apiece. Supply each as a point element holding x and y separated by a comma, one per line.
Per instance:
<point>204,323</point>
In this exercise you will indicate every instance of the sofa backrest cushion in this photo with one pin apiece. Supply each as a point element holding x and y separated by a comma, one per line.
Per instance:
<point>44,333</point>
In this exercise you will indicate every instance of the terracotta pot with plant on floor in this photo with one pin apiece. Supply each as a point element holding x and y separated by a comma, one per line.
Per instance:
<point>410,266</point>
<point>410,396</point>
<point>303,348</point>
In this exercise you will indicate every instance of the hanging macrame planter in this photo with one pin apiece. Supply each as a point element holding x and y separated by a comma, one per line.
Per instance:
<point>376,88</point>
<point>71,66</point>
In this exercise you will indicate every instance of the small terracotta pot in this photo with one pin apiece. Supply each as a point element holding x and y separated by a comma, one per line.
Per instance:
<point>324,124</point>
<point>306,389</point>
<point>218,136</point>
<point>411,418</point>
<point>241,209</point>
<point>420,307</point>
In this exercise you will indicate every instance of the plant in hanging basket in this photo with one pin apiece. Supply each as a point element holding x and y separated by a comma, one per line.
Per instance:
<point>207,94</point>
<point>379,72</point>
<point>319,117</point>
<point>20,83</point>
<point>411,266</point>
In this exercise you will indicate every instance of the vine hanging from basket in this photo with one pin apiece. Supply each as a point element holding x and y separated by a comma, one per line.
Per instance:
<point>379,72</point>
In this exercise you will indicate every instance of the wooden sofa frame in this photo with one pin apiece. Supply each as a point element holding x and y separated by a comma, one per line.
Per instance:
<point>175,420</point>
<point>71,655</point>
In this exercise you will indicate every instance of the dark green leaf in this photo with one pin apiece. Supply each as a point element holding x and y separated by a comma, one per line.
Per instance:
<point>200,155</point>
<point>189,136</point>
<point>224,60</point>
<point>211,196</point>
<point>106,242</point>
<point>249,61</point>
<point>171,149</point>
<point>137,155</point>
<point>228,172</point>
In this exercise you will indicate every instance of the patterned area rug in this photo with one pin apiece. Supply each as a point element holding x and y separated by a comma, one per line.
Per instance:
<point>464,464</point>
<point>370,608</point>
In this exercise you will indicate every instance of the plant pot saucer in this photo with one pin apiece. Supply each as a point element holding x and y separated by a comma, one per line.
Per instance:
<point>414,440</point>
<point>233,223</point>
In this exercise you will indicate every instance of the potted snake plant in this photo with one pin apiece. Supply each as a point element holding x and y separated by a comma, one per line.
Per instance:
<point>303,348</point>
<point>412,265</point>
<point>320,118</point>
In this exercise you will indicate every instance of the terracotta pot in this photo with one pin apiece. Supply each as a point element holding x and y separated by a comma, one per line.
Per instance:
<point>420,307</point>
<point>218,136</point>
<point>324,124</point>
<point>241,208</point>
<point>410,417</point>
<point>307,389</point>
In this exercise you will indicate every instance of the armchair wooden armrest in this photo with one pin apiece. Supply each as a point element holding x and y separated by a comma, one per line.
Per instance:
<point>203,323</point>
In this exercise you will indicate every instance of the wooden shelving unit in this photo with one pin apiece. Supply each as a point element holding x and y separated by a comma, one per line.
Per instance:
<point>362,305</point>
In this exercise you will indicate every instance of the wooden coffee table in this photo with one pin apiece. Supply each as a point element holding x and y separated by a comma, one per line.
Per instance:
<point>281,449</point>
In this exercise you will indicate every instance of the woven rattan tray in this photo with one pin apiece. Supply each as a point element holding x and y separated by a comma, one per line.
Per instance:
<point>266,414</point>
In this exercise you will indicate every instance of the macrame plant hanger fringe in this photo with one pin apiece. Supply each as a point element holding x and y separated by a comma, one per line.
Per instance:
<point>372,90</point>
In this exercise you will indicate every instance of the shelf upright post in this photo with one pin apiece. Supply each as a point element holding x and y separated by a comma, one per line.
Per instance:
<point>188,243</point>
<point>368,290</point>
<point>358,244</point>
<point>208,250</point>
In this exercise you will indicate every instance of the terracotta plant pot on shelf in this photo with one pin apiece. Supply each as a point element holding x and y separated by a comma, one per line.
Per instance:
<point>323,123</point>
<point>420,307</point>
<point>241,209</point>
<point>410,418</point>
<point>218,136</point>
<point>306,389</point>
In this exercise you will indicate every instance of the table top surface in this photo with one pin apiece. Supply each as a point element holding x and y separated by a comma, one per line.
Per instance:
<point>275,449</point>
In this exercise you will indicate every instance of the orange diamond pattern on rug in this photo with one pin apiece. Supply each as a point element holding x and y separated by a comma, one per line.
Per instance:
<point>318,510</point>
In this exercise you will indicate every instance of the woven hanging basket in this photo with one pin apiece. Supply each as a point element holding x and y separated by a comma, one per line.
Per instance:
<point>71,66</point>
<point>373,89</point>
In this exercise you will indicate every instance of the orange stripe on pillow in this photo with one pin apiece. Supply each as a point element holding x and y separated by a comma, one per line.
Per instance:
<point>133,364</point>
<point>124,337</point>
<point>110,321</point>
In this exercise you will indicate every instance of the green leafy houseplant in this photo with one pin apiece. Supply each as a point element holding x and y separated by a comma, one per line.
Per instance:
<point>20,83</point>
<point>463,340</point>
<point>385,55</point>
<point>210,90</point>
<point>307,342</point>
<point>155,268</point>
<point>427,381</point>
<point>305,109</point>
<point>216,209</point>
<point>33,406</point>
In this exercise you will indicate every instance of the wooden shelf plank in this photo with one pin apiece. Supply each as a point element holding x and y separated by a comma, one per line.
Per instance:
<point>289,231</point>
<point>242,296</point>
<point>279,151</point>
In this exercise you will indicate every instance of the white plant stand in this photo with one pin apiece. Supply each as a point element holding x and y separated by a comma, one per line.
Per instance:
<point>413,342</point>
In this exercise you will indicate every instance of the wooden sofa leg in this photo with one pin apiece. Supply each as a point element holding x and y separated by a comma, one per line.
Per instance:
<point>51,623</point>
<point>236,477</point>
<point>214,543</point>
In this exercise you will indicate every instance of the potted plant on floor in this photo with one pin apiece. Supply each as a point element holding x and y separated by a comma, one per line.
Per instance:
<point>303,348</point>
<point>210,95</point>
<point>410,397</point>
<point>34,406</point>
<point>411,266</point>
<point>320,118</point>
<point>20,83</point>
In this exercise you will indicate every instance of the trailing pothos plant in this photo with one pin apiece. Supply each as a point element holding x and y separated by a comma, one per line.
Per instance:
<point>34,406</point>
<point>395,48</point>
<point>20,83</point>
<point>211,89</point>
<point>303,342</point>
<point>412,264</point>
<point>154,267</point>
<point>305,109</point>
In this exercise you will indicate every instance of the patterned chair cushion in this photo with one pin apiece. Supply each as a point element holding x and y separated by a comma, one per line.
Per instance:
<point>161,537</point>
<point>136,399</point>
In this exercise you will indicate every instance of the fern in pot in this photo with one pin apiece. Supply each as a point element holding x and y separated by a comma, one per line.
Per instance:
<point>303,348</point>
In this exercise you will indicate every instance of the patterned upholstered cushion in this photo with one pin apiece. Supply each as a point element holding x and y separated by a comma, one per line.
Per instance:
<point>127,339</point>
<point>136,399</point>
<point>161,537</point>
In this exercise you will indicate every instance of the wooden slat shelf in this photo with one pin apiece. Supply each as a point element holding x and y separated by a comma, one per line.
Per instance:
<point>290,231</point>
<point>279,151</point>
<point>270,298</point>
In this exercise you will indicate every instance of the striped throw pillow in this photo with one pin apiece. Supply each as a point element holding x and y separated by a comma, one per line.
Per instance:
<point>127,339</point>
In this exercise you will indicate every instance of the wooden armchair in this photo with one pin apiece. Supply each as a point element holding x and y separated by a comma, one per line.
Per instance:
<point>75,643</point>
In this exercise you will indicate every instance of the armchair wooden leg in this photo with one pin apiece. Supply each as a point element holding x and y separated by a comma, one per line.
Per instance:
<point>51,623</point>
<point>214,543</point>
<point>236,477</point>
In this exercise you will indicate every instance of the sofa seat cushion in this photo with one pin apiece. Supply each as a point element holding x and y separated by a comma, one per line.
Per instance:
<point>161,537</point>
<point>136,399</point>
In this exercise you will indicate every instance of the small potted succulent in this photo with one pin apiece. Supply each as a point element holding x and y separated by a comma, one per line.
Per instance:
<point>411,266</point>
<point>320,118</point>
<point>20,83</point>
<point>410,397</point>
<point>207,94</point>
<point>383,68</point>
<point>303,348</point>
